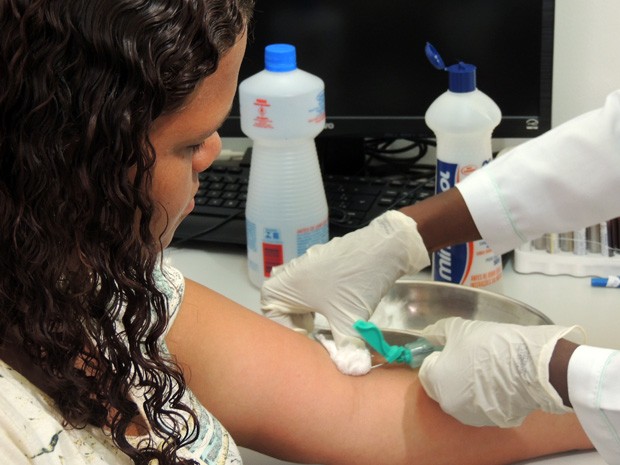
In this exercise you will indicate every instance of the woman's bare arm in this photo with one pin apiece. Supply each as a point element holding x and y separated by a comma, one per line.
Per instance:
<point>278,392</point>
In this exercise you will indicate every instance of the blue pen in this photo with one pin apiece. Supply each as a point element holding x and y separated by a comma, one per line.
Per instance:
<point>610,281</point>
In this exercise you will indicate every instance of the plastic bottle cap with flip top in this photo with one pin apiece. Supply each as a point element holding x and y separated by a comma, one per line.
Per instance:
<point>461,76</point>
<point>280,58</point>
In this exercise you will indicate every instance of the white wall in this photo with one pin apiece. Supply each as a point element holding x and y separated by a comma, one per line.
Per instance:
<point>586,55</point>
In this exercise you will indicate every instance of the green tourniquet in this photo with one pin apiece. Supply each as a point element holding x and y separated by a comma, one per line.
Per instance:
<point>413,353</point>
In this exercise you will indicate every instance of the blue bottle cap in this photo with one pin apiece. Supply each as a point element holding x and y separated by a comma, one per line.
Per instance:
<point>280,58</point>
<point>433,56</point>
<point>461,76</point>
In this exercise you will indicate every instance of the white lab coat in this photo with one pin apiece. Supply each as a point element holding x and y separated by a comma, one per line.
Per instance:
<point>567,179</point>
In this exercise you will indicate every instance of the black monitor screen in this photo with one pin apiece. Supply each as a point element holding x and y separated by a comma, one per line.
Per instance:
<point>378,81</point>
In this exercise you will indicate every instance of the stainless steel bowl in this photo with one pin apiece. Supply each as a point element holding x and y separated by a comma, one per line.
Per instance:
<point>413,305</point>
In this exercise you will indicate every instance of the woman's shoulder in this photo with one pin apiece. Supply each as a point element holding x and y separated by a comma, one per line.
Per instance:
<point>171,283</point>
<point>169,279</point>
<point>32,429</point>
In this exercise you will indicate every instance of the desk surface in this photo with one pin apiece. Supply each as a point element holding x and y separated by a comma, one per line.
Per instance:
<point>565,299</point>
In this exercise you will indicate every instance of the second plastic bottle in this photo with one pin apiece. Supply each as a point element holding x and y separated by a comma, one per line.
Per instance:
<point>463,119</point>
<point>282,110</point>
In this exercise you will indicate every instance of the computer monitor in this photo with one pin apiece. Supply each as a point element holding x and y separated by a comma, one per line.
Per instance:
<point>378,81</point>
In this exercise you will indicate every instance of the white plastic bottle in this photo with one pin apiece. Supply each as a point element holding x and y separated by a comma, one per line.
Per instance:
<point>463,119</point>
<point>282,110</point>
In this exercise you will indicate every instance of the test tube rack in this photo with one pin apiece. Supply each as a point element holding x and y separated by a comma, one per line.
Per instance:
<point>588,252</point>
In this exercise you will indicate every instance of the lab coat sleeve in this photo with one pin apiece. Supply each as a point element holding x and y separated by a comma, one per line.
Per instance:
<point>594,391</point>
<point>564,180</point>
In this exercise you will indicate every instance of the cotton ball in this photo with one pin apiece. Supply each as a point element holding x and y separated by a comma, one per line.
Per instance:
<point>350,360</point>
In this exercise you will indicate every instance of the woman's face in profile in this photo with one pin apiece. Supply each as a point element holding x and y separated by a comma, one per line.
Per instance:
<point>186,142</point>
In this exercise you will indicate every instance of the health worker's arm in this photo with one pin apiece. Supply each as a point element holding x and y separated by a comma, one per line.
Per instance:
<point>279,393</point>
<point>444,220</point>
<point>561,181</point>
<point>564,180</point>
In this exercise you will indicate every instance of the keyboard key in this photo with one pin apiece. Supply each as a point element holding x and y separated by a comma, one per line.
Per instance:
<point>361,202</point>
<point>231,203</point>
<point>229,195</point>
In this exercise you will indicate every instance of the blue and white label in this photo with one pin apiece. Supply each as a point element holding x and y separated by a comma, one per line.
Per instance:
<point>453,264</point>
<point>448,174</point>
<point>472,263</point>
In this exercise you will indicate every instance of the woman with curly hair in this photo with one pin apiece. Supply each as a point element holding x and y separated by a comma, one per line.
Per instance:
<point>109,109</point>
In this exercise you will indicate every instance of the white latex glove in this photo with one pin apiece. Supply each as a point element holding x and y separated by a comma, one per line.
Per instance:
<point>345,279</point>
<point>493,373</point>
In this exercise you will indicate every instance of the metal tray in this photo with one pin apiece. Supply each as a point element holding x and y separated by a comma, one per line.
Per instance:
<point>413,305</point>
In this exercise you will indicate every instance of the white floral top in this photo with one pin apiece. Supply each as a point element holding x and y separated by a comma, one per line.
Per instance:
<point>31,430</point>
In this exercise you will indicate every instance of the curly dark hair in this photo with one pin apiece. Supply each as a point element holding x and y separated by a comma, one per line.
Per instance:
<point>81,83</point>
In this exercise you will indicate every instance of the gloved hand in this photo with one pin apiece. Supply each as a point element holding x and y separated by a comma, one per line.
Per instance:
<point>493,373</point>
<point>345,279</point>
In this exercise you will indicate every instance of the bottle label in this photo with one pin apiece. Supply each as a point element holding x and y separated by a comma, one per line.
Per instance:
<point>275,245</point>
<point>312,235</point>
<point>273,250</point>
<point>473,263</point>
<point>317,113</point>
<point>302,116</point>
<point>448,174</point>
<point>262,119</point>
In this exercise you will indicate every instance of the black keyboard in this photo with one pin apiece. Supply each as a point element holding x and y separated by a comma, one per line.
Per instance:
<point>353,201</point>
